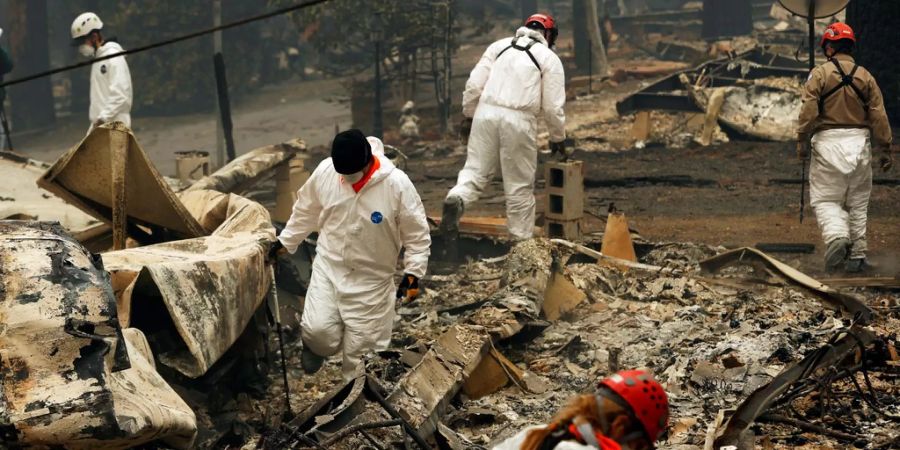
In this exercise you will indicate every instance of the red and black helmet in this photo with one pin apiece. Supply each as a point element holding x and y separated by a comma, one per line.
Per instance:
<point>646,398</point>
<point>838,31</point>
<point>544,22</point>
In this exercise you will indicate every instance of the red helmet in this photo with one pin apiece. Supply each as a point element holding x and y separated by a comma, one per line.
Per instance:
<point>647,399</point>
<point>838,31</point>
<point>547,23</point>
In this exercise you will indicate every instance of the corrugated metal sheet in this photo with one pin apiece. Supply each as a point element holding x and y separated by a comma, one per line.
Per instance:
<point>194,297</point>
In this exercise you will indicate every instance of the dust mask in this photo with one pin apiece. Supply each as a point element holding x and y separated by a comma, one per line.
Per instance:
<point>354,178</point>
<point>86,50</point>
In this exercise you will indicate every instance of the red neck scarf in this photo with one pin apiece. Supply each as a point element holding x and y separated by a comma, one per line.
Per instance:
<point>376,164</point>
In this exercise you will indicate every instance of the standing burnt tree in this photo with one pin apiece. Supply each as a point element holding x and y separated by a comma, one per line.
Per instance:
<point>875,23</point>
<point>32,101</point>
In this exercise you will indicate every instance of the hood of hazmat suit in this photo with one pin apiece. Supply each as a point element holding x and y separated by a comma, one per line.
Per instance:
<point>111,93</point>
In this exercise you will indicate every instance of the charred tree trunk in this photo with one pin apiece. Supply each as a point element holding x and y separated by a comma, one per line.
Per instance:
<point>876,30</point>
<point>580,35</point>
<point>599,64</point>
<point>32,102</point>
<point>726,18</point>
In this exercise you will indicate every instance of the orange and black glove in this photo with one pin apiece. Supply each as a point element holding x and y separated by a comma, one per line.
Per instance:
<point>408,289</point>
<point>275,250</point>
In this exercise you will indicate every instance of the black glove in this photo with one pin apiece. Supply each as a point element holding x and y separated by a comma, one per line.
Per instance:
<point>277,248</point>
<point>409,288</point>
<point>465,128</point>
<point>558,147</point>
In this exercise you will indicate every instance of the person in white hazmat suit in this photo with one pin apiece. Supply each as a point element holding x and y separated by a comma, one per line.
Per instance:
<point>842,118</point>
<point>111,93</point>
<point>365,211</point>
<point>517,80</point>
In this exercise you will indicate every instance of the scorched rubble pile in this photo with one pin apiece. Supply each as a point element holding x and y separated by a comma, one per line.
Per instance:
<point>712,340</point>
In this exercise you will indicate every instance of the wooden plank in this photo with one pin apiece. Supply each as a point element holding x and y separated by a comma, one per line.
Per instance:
<point>483,226</point>
<point>640,131</point>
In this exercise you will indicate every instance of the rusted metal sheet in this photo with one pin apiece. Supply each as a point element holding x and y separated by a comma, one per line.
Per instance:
<point>763,398</point>
<point>194,297</point>
<point>839,300</point>
<point>106,169</point>
<point>249,168</point>
<point>69,376</point>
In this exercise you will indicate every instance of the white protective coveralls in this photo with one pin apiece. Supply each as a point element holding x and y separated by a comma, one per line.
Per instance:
<point>840,183</point>
<point>350,300</point>
<point>111,94</point>
<point>504,95</point>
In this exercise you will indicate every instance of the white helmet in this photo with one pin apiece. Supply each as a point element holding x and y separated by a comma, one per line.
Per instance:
<point>84,24</point>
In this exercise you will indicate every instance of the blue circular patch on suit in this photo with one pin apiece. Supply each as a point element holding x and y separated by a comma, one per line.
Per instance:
<point>377,217</point>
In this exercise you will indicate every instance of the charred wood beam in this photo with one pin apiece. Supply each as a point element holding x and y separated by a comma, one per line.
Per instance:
<point>650,101</point>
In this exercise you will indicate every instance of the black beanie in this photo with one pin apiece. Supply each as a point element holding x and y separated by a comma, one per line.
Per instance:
<point>350,152</point>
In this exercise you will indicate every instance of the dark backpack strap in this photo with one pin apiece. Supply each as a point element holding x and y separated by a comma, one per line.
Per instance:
<point>846,80</point>
<point>526,49</point>
<point>554,438</point>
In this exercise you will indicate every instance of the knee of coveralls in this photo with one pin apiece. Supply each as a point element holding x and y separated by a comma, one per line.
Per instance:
<point>518,164</point>
<point>368,323</point>
<point>482,157</point>
<point>858,195</point>
<point>321,327</point>
<point>827,195</point>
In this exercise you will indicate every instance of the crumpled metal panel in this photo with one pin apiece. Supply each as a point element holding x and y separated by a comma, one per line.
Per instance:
<point>194,297</point>
<point>842,301</point>
<point>68,376</point>
<point>249,168</point>
<point>84,178</point>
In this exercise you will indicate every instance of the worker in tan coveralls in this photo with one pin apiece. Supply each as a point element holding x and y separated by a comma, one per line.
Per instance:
<point>842,119</point>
